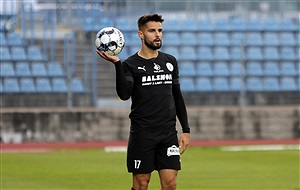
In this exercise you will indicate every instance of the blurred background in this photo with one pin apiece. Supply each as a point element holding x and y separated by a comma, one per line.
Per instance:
<point>238,63</point>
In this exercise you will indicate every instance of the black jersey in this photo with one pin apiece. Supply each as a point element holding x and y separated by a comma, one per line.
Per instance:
<point>153,105</point>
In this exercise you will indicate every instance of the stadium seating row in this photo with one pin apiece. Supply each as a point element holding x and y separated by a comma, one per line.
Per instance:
<point>236,84</point>
<point>189,53</point>
<point>237,69</point>
<point>15,53</point>
<point>40,85</point>
<point>11,39</point>
<point>222,39</point>
<point>36,69</point>
<point>127,24</point>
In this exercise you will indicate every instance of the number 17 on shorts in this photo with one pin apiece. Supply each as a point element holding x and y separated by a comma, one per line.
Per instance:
<point>137,164</point>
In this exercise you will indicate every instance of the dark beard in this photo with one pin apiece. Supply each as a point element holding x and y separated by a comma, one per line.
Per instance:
<point>151,45</point>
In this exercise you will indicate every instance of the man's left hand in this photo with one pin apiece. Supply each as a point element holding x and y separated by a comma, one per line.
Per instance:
<point>184,141</point>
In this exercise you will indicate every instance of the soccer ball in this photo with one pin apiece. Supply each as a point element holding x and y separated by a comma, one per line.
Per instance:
<point>110,40</point>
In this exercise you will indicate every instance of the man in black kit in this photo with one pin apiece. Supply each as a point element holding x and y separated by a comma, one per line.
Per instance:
<point>151,79</point>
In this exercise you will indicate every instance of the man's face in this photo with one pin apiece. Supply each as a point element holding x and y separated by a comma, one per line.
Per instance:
<point>151,34</point>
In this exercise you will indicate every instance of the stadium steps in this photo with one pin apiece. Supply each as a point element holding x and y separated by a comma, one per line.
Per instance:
<point>106,74</point>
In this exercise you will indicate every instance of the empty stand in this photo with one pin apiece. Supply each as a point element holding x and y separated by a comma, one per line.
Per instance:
<point>39,70</point>
<point>23,69</point>
<point>203,84</point>
<point>11,85</point>
<point>187,85</point>
<point>187,53</point>
<point>5,54</point>
<point>54,69</point>
<point>18,54</point>
<point>43,85</point>
<point>27,85</point>
<point>187,69</point>
<point>7,70</point>
<point>59,85</point>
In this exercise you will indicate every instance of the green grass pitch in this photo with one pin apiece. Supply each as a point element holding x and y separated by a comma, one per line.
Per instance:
<point>202,168</point>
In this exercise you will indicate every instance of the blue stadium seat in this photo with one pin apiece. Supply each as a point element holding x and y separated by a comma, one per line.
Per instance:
<point>236,84</point>
<point>27,85</point>
<point>254,84</point>
<point>221,54</point>
<point>18,54</point>
<point>11,85</point>
<point>270,39</point>
<point>254,54</point>
<point>187,84</point>
<point>134,39</point>
<point>124,54</point>
<point>187,69</point>
<point>187,53</point>
<point>254,69</point>
<point>43,85</point>
<point>237,54</point>
<point>254,39</point>
<point>287,54</point>
<point>203,84</point>
<point>77,85</point>
<point>236,69</point>
<point>288,69</point>
<point>205,39</point>
<point>54,69</point>
<point>287,39</point>
<point>271,84</point>
<point>34,54</point>
<point>59,85</point>
<point>2,39</point>
<point>23,69</point>
<point>237,39</point>
<point>271,54</point>
<point>271,69</point>
<point>89,24</point>
<point>288,25</point>
<point>288,84</point>
<point>5,54</point>
<point>220,84</point>
<point>171,39</point>
<point>238,25</point>
<point>7,70</point>
<point>270,24</point>
<point>172,25</point>
<point>221,39</point>
<point>204,69</point>
<point>124,24</point>
<point>134,49</point>
<point>205,25</point>
<point>172,50</point>
<point>38,70</point>
<point>189,25</point>
<point>14,39</point>
<point>222,25</point>
<point>188,39</point>
<point>103,22</point>
<point>221,69</point>
<point>253,25</point>
<point>205,54</point>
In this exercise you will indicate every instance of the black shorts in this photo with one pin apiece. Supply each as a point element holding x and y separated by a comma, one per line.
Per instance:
<point>149,151</point>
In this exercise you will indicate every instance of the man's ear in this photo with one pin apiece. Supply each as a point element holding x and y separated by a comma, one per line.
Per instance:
<point>141,35</point>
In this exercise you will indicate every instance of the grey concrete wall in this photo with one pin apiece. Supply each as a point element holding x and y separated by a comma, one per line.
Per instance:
<point>90,124</point>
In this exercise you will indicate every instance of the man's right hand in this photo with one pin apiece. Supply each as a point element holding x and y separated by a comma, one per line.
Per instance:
<point>110,58</point>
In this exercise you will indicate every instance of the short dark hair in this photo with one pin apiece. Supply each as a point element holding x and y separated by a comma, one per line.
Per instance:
<point>147,18</point>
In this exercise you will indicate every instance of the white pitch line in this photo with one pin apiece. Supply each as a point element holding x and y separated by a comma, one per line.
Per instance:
<point>260,147</point>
